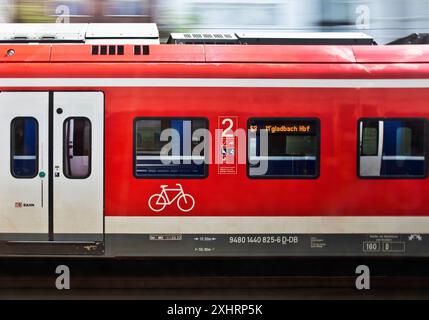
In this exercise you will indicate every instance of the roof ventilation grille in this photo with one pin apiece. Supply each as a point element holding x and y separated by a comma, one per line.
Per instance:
<point>202,38</point>
<point>273,38</point>
<point>141,50</point>
<point>107,50</point>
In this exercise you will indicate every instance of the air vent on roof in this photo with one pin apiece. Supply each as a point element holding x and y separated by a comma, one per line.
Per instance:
<point>139,50</point>
<point>202,38</point>
<point>273,38</point>
<point>305,38</point>
<point>110,50</point>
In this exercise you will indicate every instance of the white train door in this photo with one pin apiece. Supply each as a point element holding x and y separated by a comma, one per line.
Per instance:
<point>51,171</point>
<point>78,165</point>
<point>24,166</point>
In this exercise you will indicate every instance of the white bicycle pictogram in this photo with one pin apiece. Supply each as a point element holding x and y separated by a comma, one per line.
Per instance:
<point>158,201</point>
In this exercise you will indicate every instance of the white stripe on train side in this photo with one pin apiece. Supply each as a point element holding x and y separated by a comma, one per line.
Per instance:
<point>264,224</point>
<point>209,82</point>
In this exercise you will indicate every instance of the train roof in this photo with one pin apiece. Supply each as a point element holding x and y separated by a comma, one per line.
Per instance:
<point>89,33</point>
<point>140,42</point>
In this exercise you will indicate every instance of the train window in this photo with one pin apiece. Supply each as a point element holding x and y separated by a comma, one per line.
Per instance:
<point>77,148</point>
<point>170,147</point>
<point>24,147</point>
<point>392,148</point>
<point>290,150</point>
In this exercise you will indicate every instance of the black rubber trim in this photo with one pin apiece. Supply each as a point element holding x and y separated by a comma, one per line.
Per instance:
<point>51,168</point>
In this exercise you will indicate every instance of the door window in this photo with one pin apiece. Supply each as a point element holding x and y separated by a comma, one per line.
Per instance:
<point>24,147</point>
<point>77,145</point>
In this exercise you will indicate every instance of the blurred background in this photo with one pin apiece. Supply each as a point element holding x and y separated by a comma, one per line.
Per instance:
<point>385,20</point>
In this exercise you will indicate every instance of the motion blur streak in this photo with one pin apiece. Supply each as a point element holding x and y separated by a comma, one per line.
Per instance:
<point>384,20</point>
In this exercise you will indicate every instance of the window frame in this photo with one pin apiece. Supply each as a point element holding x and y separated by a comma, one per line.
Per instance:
<point>12,140</point>
<point>396,177</point>
<point>154,177</point>
<point>65,153</point>
<point>286,177</point>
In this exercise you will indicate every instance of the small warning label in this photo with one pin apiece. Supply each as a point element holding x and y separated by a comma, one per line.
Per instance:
<point>228,145</point>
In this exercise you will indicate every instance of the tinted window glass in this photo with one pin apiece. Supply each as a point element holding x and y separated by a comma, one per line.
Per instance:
<point>370,138</point>
<point>158,154</point>
<point>292,150</point>
<point>77,148</point>
<point>403,148</point>
<point>24,153</point>
<point>404,141</point>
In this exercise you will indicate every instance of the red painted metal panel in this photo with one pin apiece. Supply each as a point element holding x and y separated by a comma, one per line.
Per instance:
<point>25,53</point>
<point>215,70</point>
<point>392,54</point>
<point>277,54</point>
<point>221,53</point>
<point>157,53</point>
<point>337,192</point>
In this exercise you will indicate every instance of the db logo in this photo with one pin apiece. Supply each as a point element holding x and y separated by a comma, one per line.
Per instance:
<point>158,201</point>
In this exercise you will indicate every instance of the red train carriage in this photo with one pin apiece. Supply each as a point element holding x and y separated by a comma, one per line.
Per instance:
<point>126,147</point>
